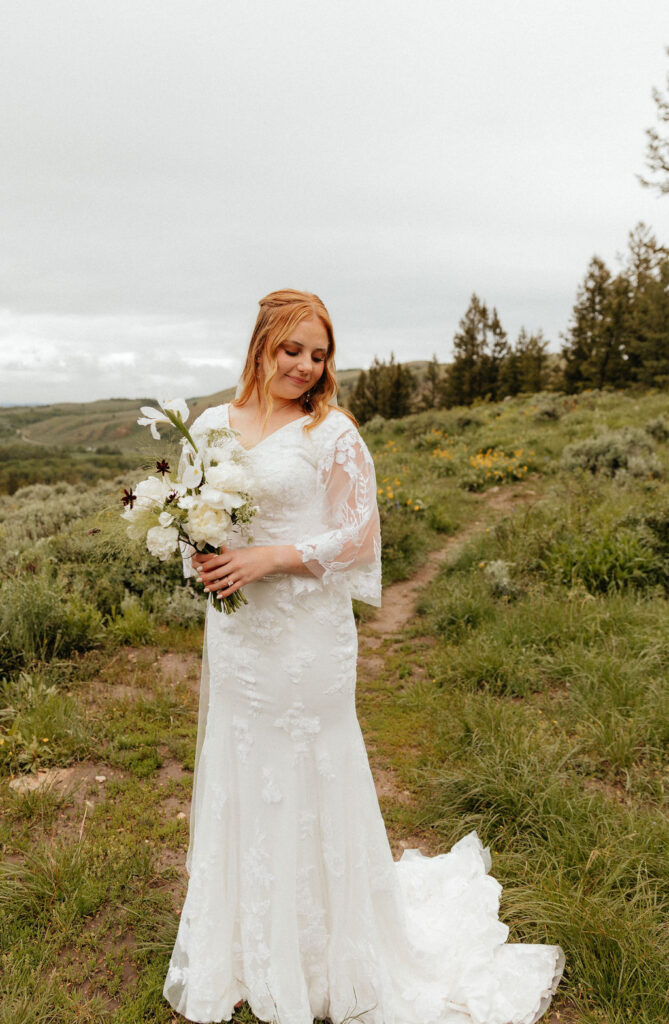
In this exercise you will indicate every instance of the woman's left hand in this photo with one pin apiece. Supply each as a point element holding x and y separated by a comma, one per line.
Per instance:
<point>234,568</point>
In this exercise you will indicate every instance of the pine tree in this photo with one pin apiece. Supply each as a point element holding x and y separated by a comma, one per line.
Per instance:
<point>360,404</point>
<point>376,387</point>
<point>399,385</point>
<point>466,373</point>
<point>533,360</point>
<point>510,375</point>
<point>657,150</point>
<point>497,350</point>
<point>647,269</point>
<point>480,348</point>
<point>612,363</point>
<point>386,389</point>
<point>581,349</point>
<point>431,394</point>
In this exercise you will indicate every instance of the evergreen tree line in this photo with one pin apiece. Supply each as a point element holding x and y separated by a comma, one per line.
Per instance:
<point>619,329</point>
<point>618,335</point>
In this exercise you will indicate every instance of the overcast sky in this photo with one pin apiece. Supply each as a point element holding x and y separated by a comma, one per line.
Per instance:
<point>163,165</point>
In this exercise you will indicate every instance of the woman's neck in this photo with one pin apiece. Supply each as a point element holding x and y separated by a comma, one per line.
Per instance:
<point>260,409</point>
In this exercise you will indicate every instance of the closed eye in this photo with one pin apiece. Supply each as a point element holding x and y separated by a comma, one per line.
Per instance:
<point>317,359</point>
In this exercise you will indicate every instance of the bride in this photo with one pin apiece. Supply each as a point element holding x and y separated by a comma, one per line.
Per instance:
<point>294,902</point>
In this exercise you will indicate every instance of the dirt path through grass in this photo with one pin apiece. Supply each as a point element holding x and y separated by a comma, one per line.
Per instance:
<point>399,598</point>
<point>379,632</point>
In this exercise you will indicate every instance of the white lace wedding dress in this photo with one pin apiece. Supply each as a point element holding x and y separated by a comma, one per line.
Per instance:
<point>294,902</point>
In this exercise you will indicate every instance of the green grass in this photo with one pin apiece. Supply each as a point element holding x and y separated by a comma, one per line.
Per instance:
<point>526,698</point>
<point>541,719</point>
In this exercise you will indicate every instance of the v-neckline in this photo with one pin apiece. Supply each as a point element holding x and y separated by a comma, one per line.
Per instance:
<point>267,437</point>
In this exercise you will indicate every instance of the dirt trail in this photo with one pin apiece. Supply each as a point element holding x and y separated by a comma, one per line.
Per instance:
<point>399,598</point>
<point>399,601</point>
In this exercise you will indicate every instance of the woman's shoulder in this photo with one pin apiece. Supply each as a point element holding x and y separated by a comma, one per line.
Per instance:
<point>335,423</point>
<point>336,433</point>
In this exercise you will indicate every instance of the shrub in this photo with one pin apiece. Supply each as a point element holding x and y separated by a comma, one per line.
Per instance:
<point>182,607</point>
<point>658,525</point>
<point>658,428</point>
<point>376,424</point>
<point>612,451</point>
<point>467,419</point>
<point>133,623</point>
<point>548,409</point>
<point>39,620</point>
<point>38,724</point>
<point>498,575</point>
<point>604,560</point>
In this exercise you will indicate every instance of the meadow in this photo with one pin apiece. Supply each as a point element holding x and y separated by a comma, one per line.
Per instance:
<point>525,695</point>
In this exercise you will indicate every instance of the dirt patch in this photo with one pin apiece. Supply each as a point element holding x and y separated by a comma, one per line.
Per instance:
<point>562,1013</point>
<point>616,794</point>
<point>170,769</point>
<point>388,787</point>
<point>76,783</point>
<point>177,667</point>
<point>135,673</point>
<point>372,663</point>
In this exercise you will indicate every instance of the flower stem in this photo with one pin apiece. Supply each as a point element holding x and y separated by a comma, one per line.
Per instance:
<point>228,604</point>
<point>176,421</point>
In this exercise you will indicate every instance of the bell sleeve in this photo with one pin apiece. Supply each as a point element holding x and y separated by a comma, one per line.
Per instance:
<point>349,548</point>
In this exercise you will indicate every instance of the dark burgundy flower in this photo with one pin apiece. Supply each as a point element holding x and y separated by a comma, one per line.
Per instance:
<point>162,467</point>
<point>171,497</point>
<point>128,497</point>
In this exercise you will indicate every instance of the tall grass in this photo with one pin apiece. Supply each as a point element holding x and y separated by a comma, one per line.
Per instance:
<point>548,707</point>
<point>527,699</point>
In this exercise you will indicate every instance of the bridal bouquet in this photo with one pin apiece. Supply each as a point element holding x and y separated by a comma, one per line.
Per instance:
<point>202,504</point>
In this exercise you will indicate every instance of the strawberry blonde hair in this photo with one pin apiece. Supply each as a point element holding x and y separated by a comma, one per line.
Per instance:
<point>280,312</point>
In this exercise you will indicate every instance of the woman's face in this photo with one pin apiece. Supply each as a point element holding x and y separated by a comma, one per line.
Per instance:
<point>300,360</point>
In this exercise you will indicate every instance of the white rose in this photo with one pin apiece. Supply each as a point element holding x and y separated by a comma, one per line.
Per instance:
<point>228,476</point>
<point>218,499</point>
<point>162,541</point>
<point>165,519</point>
<point>152,491</point>
<point>206,525</point>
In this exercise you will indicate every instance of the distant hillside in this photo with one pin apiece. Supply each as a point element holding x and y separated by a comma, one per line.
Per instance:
<point>112,423</point>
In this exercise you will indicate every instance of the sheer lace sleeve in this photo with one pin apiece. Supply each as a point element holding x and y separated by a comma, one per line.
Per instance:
<point>350,547</point>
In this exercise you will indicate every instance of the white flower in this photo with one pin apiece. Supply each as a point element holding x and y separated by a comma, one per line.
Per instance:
<point>153,491</point>
<point>228,476</point>
<point>162,541</point>
<point>148,507</point>
<point>192,474</point>
<point>165,519</point>
<point>217,499</point>
<point>207,525</point>
<point>151,416</point>
<point>222,449</point>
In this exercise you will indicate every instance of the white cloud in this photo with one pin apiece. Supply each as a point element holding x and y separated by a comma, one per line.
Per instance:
<point>165,165</point>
